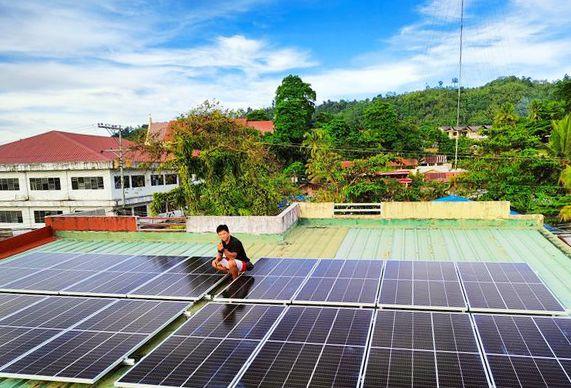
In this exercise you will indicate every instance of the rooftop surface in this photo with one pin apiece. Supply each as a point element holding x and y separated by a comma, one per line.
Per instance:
<point>411,240</point>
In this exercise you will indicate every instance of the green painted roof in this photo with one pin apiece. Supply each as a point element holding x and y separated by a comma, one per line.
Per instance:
<point>410,240</point>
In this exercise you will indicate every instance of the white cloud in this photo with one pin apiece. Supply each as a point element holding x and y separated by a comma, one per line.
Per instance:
<point>69,66</point>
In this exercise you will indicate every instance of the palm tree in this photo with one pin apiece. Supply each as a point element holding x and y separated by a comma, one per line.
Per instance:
<point>560,145</point>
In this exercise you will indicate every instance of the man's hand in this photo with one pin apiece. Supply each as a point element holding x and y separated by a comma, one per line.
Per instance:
<point>220,246</point>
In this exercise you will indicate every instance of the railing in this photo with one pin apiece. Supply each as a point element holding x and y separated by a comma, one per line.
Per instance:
<point>161,224</point>
<point>347,209</point>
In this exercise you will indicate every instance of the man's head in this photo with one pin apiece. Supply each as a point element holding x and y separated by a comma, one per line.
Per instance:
<point>223,232</point>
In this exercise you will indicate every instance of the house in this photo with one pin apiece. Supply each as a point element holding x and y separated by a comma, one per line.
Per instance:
<point>474,132</point>
<point>61,172</point>
<point>434,160</point>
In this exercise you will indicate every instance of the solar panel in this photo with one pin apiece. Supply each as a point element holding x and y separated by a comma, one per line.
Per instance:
<point>273,280</point>
<point>526,351</point>
<point>509,287</point>
<point>8,275</point>
<point>148,263</point>
<point>48,281</point>
<point>76,339</point>
<point>92,262</point>
<point>424,349</point>
<point>342,282</point>
<point>177,286</point>
<point>109,283</point>
<point>195,265</point>
<point>210,349</point>
<point>421,284</point>
<point>312,346</point>
<point>12,303</point>
<point>40,260</point>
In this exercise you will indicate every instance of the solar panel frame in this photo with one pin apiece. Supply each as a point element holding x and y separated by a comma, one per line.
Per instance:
<point>466,280</point>
<point>533,356</point>
<point>340,277</point>
<point>435,351</point>
<point>269,274</point>
<point>179,337</point>
<point>115,276</point>
<point>75,328</point>
<point>412,279</point>
<point>18,261</point>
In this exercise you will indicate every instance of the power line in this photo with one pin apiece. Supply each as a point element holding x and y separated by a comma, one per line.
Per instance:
<point>459,82</point>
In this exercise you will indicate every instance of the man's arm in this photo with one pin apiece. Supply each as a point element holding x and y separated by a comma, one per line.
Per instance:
<point>230,255</point>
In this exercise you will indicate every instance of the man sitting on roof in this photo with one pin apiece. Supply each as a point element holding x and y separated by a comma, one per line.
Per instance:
<point>231,257</point>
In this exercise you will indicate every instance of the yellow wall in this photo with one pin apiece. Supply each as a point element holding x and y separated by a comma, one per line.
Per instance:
<point>446,210</point>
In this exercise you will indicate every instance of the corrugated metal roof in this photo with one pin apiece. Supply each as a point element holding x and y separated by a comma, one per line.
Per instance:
<point>510,245</point>
<point>404,242</point>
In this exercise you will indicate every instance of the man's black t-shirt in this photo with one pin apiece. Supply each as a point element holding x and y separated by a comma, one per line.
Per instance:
<point>235,246</point>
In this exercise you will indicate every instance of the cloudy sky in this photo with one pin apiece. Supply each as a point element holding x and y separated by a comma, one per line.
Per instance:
<point>69,64</point>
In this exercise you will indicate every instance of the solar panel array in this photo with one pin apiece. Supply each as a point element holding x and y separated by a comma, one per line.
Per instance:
<point>509,287</point>
<point>421,284</point>
<point>208,350</point>
<point>120,276</point>
<point>266,343</point>
<point>526,351</point>
<point>75,339</point>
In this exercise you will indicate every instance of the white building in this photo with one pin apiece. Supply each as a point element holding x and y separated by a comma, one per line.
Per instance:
<point>60,172</point>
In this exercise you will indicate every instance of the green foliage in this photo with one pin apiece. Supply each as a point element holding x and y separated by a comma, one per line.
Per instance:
<point>169,201</point>
<point>259,115</point>
<point>294,107</point>
<point>563,92</point>
<point>133,133</point>
<point>238,176</point>
<point>526,178</point>
<point>560,141</point>
<point>505,115</point>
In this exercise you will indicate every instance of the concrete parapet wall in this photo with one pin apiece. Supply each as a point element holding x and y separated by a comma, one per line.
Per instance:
<point>93,223</point>
<point>477,210</point>
<point>316,209</point>
<point>246,224</point>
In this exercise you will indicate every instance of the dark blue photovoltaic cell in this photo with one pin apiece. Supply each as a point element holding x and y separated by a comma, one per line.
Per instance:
<point>210,349</point>
<point>17,341</point>
<point>177,286</point>
<point>196,265</point>
<point>312,346</point>
<point>111,283</point>
<point>9,275</point>
<point>56,312</point>
<point>91,262</point>
<point>10,303</point>
<point>526,349</point>
<point>262,288</point>
<point>282,267</point>
<point>506,286</point>
<point>80,355</point>
<point>39,260</point>
<point>414,348</point>
<point>134,316</point>
<point>148,263</point>
<point>49,280</point>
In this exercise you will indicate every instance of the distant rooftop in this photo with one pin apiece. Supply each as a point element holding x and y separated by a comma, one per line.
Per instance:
<point>58,146</point>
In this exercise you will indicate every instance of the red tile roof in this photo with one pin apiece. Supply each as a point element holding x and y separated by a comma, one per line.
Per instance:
<point>58,146</point>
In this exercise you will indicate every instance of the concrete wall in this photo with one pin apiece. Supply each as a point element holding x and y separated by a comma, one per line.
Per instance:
<point>316,209</point>
<point>93,223</point>
<point>446,210</point>
<point>248,224</point>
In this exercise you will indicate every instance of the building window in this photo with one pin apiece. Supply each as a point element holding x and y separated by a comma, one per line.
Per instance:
<point>137,180</point>
<point>40,215</point>
<point>157,180</point>
<point>126,182</point>
<point>9,184</point>
<point>87,183</point>
<point>45,184</point>
<point>171,179</point>
<point>140,211</point>
<point>11,217</point>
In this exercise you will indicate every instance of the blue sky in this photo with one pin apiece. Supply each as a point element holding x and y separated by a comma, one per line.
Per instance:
<point>68,65</point>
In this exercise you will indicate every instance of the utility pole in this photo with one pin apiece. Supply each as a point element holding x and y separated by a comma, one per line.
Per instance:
<point>459,84</point>
<point>118,152</point>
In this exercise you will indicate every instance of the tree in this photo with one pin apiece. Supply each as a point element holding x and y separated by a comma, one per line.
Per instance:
<point>563,91</point>
<point>236,174</point>
<point>560,145</point>
<point>323,165</point>
<point>259,115</point>
<point>505,115</point>
<point>294,107</point>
